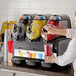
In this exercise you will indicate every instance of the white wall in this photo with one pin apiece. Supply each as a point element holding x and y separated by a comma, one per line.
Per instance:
<point>13,9</point>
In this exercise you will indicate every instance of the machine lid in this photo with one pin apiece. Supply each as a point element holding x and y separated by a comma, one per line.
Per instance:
<point>55,17</point>
<point>39,17</point>
<point>25,17</point>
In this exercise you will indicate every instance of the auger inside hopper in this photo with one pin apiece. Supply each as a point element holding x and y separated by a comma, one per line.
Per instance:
<point>34,30</point>
<point>20,27</point>
<point>54,21</point>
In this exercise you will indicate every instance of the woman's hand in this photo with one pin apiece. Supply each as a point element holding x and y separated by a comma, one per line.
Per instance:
<point>50,59</point>
<point>55,30</point>
<point>50,29</point>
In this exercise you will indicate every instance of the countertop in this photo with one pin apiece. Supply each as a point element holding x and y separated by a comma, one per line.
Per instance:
<point>37,71</point>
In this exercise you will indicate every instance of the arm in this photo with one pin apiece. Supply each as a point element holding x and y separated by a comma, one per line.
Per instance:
<point>62,60</point>
<point>69,33</point>
<point>52,30</point>
<point>60,32</point>
<point>66,58</point>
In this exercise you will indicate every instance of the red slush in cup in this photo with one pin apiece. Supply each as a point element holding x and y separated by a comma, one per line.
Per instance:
<point>48,49</point>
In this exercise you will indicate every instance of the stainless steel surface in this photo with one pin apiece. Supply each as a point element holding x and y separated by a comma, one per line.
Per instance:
<point>34,71</point>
